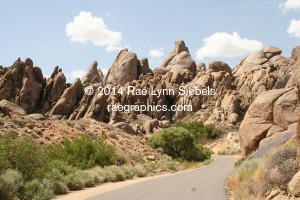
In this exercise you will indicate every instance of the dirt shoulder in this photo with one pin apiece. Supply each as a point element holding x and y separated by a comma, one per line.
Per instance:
<point>106,187</point>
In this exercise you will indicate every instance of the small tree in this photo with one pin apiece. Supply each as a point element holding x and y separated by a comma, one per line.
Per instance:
<point>178,142</point>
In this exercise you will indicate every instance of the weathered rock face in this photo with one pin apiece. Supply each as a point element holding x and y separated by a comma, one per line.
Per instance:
<point>271,108</point>
<point>92,75</point>
<point>124,69</point>
<point>69,99</point>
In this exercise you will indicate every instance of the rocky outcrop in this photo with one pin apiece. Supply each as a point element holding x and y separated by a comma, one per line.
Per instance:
<point>272,80</point>
<point>124,69</point>
<point>11,81</point>
<point>30,93</point>
<point>259,72</point>
<point>265,80</point>
<point>92,75</point>
<point>69,99</point>
<point>53,89</point>
<point>180,63</point>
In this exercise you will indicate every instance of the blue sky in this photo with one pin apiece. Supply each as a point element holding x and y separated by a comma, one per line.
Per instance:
<point>37,29</point>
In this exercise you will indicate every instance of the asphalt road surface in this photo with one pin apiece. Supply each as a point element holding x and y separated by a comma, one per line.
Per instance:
<point>205,183</point>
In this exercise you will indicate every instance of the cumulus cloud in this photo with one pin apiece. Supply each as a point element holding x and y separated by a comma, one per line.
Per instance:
<point>294,28</point>
<point>156,53</point>
<point>86,28</point>
<point>78,74</point>
<point>290,5</point>
<point>222,44</point>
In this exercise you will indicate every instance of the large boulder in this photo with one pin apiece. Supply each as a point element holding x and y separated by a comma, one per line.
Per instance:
<point>124,69</point>
<point>285,109</point>
<point>7,108</point>
<point>258,119</point>
<point>217,66</point>
<point>294,185</point>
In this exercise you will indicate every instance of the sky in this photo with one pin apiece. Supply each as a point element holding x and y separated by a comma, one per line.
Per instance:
<point>72,34</point>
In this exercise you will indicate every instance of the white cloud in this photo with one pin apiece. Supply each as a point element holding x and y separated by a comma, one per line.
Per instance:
<point>294,28</point>
<point>78,74</point>
<point>156,53</point>
<point>222,44</point>
<point>290,5</point>
<point>86,28</point>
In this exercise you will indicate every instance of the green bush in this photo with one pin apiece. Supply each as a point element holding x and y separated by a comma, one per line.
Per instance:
<point>198,153</point>
<point>83,152</point>
<point>35,190</point>
<point>10,183</point>
<point>179,143</point>
<point>24,155</point>
<point>199,130</point>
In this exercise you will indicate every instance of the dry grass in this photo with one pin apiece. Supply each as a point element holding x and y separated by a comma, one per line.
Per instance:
<point>253,179</point>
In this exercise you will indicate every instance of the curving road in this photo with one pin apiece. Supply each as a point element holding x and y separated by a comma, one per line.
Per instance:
<point>205,183</point>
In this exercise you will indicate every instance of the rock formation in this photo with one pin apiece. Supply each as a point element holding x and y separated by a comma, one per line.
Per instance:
<point>124,69</point>
<point>260,93</point>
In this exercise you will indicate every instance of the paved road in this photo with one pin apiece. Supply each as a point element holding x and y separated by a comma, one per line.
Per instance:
<point>205,183</point>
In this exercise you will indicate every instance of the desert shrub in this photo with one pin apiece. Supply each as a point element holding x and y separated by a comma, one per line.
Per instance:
<point>246,169</point>
<point>35,190</point>
<point>140,171</point>
<point>129,172</point>
<point>74,181</point>
<point>118,171</point>
<point>166,166</point>
<point>99,174</point>
<point>10,183</point>
<point>79,180</point>
<point>59,188</point>
<point>24,155</point>
<point>281,166</point>
<point>179,143</point>
<point>83,152</point>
